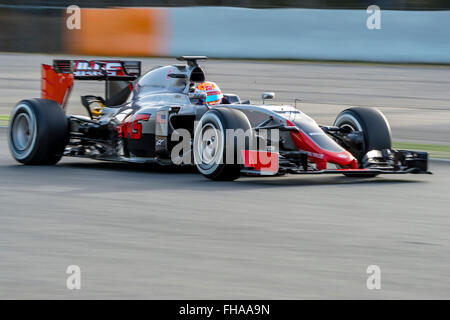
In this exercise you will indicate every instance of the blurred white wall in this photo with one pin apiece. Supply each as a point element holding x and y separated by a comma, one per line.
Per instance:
<point>405,36</point>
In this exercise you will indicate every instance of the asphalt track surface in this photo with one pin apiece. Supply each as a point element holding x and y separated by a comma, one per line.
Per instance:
<point>139,232</point>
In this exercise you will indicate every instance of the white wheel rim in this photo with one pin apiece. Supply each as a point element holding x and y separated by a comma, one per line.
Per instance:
<point>351,122</point>
<point>22,132</point>
<point>209,143</point>
<point>349,127</point>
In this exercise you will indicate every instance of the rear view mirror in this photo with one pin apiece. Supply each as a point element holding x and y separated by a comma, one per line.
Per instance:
<point>267,95</point>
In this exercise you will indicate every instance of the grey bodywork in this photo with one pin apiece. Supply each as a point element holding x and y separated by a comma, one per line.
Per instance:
<point>164,93</point>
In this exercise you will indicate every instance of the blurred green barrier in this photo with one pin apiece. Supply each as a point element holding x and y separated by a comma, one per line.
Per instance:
<point>435,150</point>
<point>4,120</point>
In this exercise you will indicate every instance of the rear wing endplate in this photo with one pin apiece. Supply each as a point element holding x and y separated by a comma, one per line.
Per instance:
<point>57,80</point>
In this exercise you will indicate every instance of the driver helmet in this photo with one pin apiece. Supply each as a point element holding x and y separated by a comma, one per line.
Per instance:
<point>212,90</point>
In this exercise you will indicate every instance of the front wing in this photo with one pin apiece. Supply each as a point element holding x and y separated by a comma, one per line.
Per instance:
<point>375,162</point>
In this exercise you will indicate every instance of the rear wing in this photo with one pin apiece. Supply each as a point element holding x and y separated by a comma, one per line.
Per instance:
<point>99,69</point>
<point>57,80</point>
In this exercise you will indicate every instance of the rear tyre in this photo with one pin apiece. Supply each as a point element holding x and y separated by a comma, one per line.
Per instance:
<point>210,143</point>
<point>374,125</point>
<point>38,132</point>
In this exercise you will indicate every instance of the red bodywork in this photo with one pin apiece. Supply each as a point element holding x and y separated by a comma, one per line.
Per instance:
<point>321,156</point>
<point>57,80</point>
<point>56,86</point>
<point>267,162</point>
<point>262,161</point>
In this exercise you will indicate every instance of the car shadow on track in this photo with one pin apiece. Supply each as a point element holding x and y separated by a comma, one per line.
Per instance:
<point>323,180</point>
<point>131,167</point>
<point>199,181</point>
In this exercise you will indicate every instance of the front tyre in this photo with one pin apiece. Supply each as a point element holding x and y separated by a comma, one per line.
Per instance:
<point>372,123</point>
<point>38,132</point>
<point>211,143</point>
<point>374,126</point>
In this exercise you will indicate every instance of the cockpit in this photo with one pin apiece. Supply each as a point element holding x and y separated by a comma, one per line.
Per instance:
<point>182,79</point>
<point>173,79</point>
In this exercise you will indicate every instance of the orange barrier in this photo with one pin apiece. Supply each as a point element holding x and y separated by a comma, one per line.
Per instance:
<point>120,32</point>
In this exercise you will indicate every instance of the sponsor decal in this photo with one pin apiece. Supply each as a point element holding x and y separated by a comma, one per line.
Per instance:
<point>161,118</point>
<point>84,68</point>
<point>132,129</point>
<point>314,155</point>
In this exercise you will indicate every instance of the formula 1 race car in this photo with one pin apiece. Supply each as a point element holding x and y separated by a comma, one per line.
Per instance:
<point>161,117</point>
